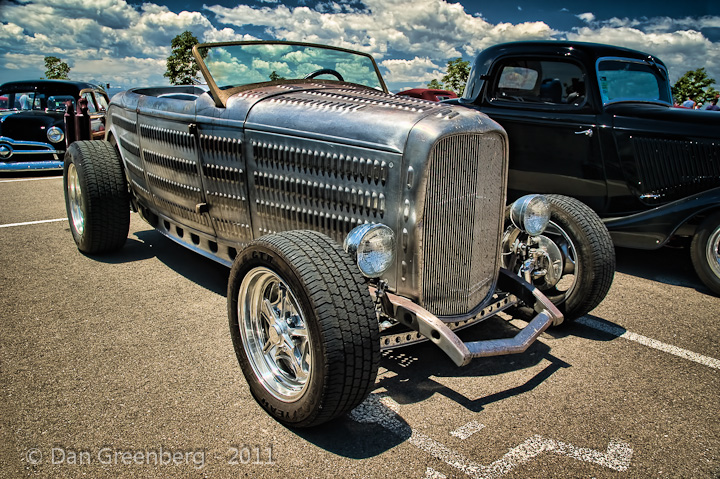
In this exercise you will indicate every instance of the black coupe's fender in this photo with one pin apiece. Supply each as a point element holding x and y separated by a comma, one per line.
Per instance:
<point>653,228</point>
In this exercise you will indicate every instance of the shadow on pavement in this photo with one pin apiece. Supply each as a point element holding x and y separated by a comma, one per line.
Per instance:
<point>665,265</point>
<point>146,244</point>
<point>414,367</point>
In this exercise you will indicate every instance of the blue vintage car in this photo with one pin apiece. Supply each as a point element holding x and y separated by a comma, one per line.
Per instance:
<point>32,127</point>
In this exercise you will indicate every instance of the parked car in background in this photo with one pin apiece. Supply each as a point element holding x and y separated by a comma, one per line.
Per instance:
<point>32,127</point>
<point>295,150</point>
<point>431,94</point>
<point>597,123</point>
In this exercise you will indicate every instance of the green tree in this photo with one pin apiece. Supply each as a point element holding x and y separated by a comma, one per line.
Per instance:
<point>694,84</point>
<point>182,69</point>
<point>56,69</point>
<point>458,72</point>
<point>274,76</point>
<point>456,77</point>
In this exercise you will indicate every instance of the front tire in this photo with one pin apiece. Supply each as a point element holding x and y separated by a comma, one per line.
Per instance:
<point>705,252</point>
<point>582,244</point>
<point>96,196</point>
<point>303,327</point>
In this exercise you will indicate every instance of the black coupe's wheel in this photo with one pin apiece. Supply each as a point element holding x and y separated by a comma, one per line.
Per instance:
<point>587,258</point>
<point>705,252</point>
<point>303,326</point>
<point>96,196</point>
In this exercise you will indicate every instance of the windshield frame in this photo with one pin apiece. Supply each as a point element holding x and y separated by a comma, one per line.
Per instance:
<point>660,74</point>
<point>220,96</point>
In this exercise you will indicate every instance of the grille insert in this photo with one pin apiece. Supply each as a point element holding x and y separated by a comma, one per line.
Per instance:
<point>461,222</point>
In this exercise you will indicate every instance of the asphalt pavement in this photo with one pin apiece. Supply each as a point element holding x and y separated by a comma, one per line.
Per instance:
<point>122,366</point>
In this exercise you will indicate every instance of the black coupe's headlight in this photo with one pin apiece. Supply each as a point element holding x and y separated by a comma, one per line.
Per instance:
<point>531,213</point>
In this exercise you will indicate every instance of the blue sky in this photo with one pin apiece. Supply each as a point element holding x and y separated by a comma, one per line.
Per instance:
<point>125,43</point>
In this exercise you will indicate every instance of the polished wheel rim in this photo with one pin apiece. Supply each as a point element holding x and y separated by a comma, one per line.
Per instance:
<point>712,251</point>
<point>274,334</point>
<point>571,268</point>
<point>77,206</point>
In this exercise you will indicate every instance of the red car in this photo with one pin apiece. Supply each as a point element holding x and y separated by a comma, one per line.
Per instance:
<point>429,94</point>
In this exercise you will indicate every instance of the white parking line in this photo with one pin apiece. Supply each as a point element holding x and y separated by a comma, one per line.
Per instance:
<point>381,409</point>
<point>32,222</point>
<point>651,343</point>
<point>33,179</point>
<point>467,430</point>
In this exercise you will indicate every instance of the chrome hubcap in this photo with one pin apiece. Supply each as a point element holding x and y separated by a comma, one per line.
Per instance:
<point>75,199</point>
<point>274,334</point>
<point>569,273</point>
<point>712,251</point>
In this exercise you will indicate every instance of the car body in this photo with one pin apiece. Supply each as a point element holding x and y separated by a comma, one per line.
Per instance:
<point>32,126</point>
<point>431,94</point>
<point>596,122</point>
<point>292,150</point>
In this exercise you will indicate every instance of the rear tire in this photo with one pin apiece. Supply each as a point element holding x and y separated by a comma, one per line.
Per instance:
<point>705,252</point>
<point>96,196</point>
<point>303,326</point>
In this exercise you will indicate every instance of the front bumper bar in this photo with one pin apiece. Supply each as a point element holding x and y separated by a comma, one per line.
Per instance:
<point>48,157</point>
<point>461,353</point>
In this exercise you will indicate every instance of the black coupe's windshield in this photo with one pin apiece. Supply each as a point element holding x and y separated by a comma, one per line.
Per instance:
<point>237,65</point>
<point>623,79</point>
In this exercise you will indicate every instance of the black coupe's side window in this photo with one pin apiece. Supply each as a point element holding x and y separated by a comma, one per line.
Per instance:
<point>543,82</point>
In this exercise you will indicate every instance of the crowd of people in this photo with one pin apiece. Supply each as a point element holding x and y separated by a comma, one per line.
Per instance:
<point>690,103</point>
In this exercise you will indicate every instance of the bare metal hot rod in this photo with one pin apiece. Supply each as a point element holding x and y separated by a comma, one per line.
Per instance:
<point>297,149</point>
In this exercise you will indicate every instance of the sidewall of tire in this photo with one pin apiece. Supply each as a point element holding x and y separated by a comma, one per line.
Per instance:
<point>698,248</point>
<point>105,194</point>
<point>339,317</point>
<point>72,156</point>
<point>593,260</point>
<point>300,410</point>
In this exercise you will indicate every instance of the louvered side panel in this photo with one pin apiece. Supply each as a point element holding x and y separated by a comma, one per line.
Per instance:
<point>669,170</point>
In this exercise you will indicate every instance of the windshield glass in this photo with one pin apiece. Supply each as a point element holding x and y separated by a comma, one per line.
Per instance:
<point>622,79</point>
<point>237,65</point>
<point>33,100</point>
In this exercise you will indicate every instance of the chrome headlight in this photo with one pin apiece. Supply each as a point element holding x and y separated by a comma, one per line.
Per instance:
<point>373,246</point>
<point>55,134</point>
<point>531,213</point>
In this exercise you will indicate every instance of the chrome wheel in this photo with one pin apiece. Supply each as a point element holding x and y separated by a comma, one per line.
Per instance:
<point>570,270</point>
<point>75,199</point>
<point>712,251</point>
<point>274,334</point>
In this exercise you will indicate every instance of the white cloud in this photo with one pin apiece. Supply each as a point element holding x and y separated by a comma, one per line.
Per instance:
<point>586,17</point>
<point>434,28</point>
<point>681,50</point>
<point>418,70</point>
<point>88,34</point>
<point>413,39</point>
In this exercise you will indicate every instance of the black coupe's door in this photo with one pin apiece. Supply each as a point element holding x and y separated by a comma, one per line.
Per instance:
<point>553,131</point>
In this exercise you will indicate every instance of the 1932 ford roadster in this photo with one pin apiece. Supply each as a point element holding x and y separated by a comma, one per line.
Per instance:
<point>297,149</point>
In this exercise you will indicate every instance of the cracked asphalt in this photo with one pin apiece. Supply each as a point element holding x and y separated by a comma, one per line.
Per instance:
<point>122,366</point>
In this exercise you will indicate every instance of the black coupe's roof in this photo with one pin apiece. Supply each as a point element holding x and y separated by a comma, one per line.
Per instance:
<point>25,85</point>
<point>563,46</point>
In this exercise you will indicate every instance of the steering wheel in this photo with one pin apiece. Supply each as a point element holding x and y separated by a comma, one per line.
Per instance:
<point>324,71</point>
